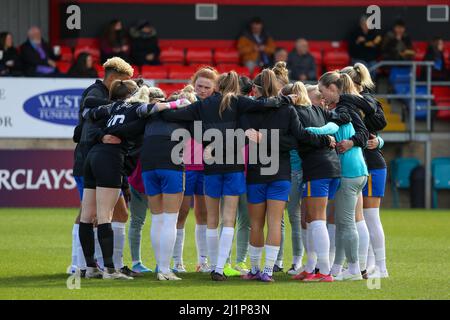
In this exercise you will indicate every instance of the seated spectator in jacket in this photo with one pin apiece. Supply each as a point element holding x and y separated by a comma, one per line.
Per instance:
<point>115,42</point>
<point>397,45</point>
<point>301,63</point>
<point>37,57</point>
<point>280,55</point>
<point>435,52</point>
<point>255,46</point>
<point>10,64</point>
<point>83,67</point>
<point>364,44</point>
<point>144,44</point>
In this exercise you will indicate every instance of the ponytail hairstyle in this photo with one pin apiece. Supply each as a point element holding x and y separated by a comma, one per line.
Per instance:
<point>281,72</point>
<point>298,89</point>
<point>122,89</point>
<point>187,92</point>
<point>228,86</point>
<point>342,81</point>
<point>266,83</point>
<point>246,85</point>
<point>360,76</point>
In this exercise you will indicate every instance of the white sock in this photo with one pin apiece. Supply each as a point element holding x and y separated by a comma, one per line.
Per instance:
<point>98,255</point>
<point>225,243</point>
<point>312,256</point>
<point>155,233</point>
<point>370,258</point>
<point>321,245</point>
<point>75,236</point>
<point>200,242</point>
<point>279,263</point>
<point>372,217</point>
<point>297,261</point>
<point>255,254</point>
<point>336,269</point>
<point>167,241</point>
<point>353,268</point>
<point>212,241</point>
<point>178,250</point>
<point>332,235</point>
<point>271,256</point>
<point>364,241</point>
<point>119,243</point>
<point>81,263</point>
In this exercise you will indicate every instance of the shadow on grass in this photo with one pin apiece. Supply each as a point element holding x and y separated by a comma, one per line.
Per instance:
<point>149,280</point>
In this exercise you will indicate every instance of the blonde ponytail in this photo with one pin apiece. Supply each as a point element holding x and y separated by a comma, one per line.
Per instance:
<point>360,76</point>
<point>266,83</point>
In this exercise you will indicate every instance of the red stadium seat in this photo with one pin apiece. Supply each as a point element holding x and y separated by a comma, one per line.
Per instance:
<point>443,114</point>
<point>100,70</point>
<point>94,52</point>
<point>441,93</point>
<point>317,54</point>
<point>63,66</point>
<point>199,56</point>
<point>66,54</point>
<point>226,56</point>
<point>181,72</point>
<point>154,72</point>
<point>137,71</point>
<point>171,55</point>
<point>239,69</point>
<point>333,60</point>
<point>170,88</point>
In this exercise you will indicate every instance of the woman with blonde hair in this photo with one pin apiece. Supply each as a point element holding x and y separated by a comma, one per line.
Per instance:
<point>267,194</point>
<point>138,200</point>
<point>373,191</point>
<point>321,172</point>
<point>339,91</point>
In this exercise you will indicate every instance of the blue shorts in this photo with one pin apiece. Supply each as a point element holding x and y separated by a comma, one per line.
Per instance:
<point>321,188</point>
<point>80,185</point>
<point>225,184</point>
<point>160,181</point>
<point>276,190</point>
<point>376,183</point>
<point>194,183</point>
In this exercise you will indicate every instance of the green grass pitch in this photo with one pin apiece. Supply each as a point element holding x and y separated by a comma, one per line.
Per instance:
<point>35,249</point>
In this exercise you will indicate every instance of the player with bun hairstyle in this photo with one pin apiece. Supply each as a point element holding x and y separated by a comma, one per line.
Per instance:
<point>222,180</point>
<point>373,191</point>
<point>282,73</point>
<point>138,201</point>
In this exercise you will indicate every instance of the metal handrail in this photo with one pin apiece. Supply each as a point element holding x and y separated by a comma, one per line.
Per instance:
<point>412,95</point>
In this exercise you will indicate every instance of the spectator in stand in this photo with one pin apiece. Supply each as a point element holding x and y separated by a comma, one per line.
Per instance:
<point>280,55</point>
<point>301,63</point>
<point>37,57</point>
<point>144,44</point>
<point>115,42</point>
<point>10,64</point>
<point>83,67</point>
<point>397,45</point>
<point>255,46</point>
<point>364,44</point>
<point>435,53</point>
